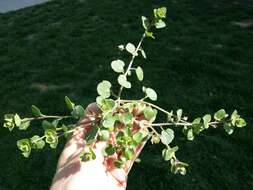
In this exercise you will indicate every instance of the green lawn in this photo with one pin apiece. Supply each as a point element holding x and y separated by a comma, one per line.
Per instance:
<point>201,62</point>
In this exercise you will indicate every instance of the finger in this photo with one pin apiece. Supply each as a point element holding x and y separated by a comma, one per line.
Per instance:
<point>70,152</point>
<point>75,145</point>
<point>92,111</point>
<point>93,108</point>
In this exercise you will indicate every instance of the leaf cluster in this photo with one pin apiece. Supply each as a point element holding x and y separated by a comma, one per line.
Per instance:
<point>124,124</point>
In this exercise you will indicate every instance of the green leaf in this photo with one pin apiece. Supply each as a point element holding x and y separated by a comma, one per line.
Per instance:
<point>160,12</point>
<point>17,120</point>
<point>118,66</point>
<point>234,117</point>
<point>90,136</point>
<point>219,115</point>
<point>139,136</point>
<point>167,136</point>
<point>51,138</point>
<point>143,53</point>
<point>149,35</point>
<point>240,122</point>
<point>104,135</point>
<point>167,154</point>
<point>121,47</point>
<point>48,125</point>
<point>120,135</point>
<point>25,146</point>
<point>99,100</point>
<point>109,121</point>
<point>160,24</point>
<point>179,167</point>
<point>145,22</point>
<point>139,73</point>
<point>196,121</point>
<point>9,117</point>
<point>67,131</point>
<point>87,154</point>
<point>206,119</point>
<point>55,122</point>
<point>170,116</point>
<point>143,123</point>
<point>9,125</point>
<point>129,107</point>
<point>228,128</point>
<point>127,118</point>
<point>190,135</point>
<point>118,163</point>
<point>36,111</point>
<point>128,130</point>
<point>107,105</point>
<point>155,139</point>
<point>151,94</point>
<point>78,112</point>
<point>149,113</point>
<point>93,155</point>
<point>104,89</point>
<point>69,104</point>
<point>37,142</point>
<point>179,114</point>
<point>131,48</point>
<point>128,153</point>
<point>122,80</point>
<point>109,150</point>
<point>24,124</point>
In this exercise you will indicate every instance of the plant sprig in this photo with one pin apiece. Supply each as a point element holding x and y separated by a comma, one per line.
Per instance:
<point>123,124</point>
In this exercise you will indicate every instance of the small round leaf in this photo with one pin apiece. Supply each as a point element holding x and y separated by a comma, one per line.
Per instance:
<point>118,66</point>
<point>17,120</point>
<point>139,73</point>
<point>36,111</point>
<point>122,80</point>
<point>219,115</point>
<point>206,119</point>
<point>130,48</point>
<point>145,22</point>
<point>69,104</point>
<point>104,89</point>
<point>160,24</point>
<point>167,136</point>
<point>151,94</point>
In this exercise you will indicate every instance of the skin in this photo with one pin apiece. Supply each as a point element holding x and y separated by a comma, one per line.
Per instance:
<point>72,174</point>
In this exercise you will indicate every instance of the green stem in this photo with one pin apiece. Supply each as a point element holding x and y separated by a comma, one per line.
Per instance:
<point>48,117</point>
<point>180,124</point>
<point>148,103</point>
<point>39,139</point>
<point>150,126</point>
<point>131,62</point>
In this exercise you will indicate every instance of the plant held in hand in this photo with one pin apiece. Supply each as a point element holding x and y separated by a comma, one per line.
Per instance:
<point>123,124</point>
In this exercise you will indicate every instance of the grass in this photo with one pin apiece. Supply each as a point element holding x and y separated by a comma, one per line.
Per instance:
<point>201,62</point>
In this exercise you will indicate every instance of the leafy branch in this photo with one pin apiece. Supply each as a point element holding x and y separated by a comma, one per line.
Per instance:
<point>123,124</point>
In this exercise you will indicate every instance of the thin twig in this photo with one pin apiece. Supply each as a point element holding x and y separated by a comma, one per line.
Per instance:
<point>131,62</point>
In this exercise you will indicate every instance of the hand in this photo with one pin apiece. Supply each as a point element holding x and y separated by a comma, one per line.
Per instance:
<point>98,174</point>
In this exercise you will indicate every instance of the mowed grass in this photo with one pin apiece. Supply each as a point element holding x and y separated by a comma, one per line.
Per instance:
<point>201,62</point>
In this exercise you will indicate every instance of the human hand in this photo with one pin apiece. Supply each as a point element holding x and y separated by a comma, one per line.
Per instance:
<point>98,174</point>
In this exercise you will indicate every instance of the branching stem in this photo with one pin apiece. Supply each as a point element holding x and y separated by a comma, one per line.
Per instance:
<point>48,117</point>
<point>131,62</point>
<point>148,103</point>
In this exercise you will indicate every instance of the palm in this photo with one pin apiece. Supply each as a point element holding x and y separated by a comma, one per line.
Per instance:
<point>96,174</point>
